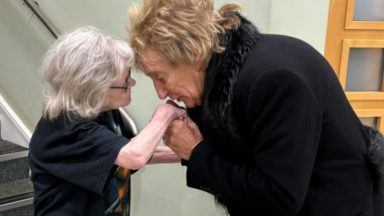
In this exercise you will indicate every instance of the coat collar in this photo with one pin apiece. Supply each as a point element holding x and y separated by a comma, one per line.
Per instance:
<point>221,77</point>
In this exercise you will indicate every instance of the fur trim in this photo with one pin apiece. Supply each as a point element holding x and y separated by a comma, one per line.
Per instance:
<point>221,77</point>
<point>376,151</point>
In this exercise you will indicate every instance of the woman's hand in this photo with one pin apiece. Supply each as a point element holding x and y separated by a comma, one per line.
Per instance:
<point>139,150</point>
<point>182,136</point>
<point>169,112</point>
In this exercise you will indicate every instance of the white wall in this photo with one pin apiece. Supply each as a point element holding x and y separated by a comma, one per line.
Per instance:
<point>257,11</point>
<point>157,189</point>
<point>304,19</point>
<point>22,42</point>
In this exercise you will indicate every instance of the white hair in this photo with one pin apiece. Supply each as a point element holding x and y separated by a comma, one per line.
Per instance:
<point>81,66</point>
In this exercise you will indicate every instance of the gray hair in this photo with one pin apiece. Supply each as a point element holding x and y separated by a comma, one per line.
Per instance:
<point>80,67</point>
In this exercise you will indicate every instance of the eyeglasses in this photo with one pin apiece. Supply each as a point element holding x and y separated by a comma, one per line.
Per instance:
<point>126,84</point>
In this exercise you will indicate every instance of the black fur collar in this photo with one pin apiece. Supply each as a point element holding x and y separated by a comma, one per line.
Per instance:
<point>221,77</point>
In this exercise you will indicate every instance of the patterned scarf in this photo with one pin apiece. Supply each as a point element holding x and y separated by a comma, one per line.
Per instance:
<point>121,207</point>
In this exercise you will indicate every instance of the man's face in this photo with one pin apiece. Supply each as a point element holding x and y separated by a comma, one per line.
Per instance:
<point>181,82</point>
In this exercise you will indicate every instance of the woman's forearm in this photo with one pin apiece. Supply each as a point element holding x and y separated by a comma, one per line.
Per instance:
<point>164,154</point>
<point>139,150</point>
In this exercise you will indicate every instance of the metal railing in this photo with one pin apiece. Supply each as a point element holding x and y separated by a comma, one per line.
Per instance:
<point>42,18</point>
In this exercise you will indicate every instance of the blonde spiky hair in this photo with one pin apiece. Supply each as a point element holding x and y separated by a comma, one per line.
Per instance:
<point>182,31</point>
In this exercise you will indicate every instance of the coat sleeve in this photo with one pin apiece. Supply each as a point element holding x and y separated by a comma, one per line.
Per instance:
<point>285,124</point>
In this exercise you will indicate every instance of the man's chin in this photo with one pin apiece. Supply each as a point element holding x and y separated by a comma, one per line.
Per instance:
<point>190,104</point>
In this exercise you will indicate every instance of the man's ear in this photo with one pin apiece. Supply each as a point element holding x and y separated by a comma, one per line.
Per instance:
<point>199,65</point>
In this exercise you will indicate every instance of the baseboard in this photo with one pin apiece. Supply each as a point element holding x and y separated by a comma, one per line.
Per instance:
<point>12,128</point>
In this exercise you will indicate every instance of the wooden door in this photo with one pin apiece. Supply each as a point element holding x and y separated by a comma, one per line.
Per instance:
<point>354,47</point>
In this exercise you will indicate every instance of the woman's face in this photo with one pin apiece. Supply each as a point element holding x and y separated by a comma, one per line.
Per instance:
<point>182,82</point>
<point>119,94</point>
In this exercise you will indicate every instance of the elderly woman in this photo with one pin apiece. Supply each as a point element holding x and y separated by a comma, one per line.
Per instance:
<point>271,131</point>
<point>81,136</point>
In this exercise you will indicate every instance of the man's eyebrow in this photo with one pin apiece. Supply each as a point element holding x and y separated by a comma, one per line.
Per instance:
<point>148,72</point>
<point>153,72</point>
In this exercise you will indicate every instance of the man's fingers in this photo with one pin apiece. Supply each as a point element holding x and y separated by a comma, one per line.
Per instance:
<point>168,141</point>
<point>172,125</point>
<point>167,134</point>
<point>175,126</point>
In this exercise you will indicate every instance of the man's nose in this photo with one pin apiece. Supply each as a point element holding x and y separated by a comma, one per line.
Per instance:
<point>161,91</point>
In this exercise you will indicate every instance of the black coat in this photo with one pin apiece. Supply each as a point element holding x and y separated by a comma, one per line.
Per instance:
<point>280,137</point>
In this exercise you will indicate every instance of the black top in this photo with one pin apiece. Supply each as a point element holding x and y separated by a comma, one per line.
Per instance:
<point>280,137</point>
<point>72,164</point>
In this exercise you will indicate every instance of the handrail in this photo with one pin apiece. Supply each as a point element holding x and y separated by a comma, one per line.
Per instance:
<point>9,114</point>
<point>41,16</point>
<point>129,120</point>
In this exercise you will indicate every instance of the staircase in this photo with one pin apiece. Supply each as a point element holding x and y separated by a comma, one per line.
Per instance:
<point>16,191</point>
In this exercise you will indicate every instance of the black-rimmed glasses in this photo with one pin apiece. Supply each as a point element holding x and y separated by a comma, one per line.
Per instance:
<point>126,84</point>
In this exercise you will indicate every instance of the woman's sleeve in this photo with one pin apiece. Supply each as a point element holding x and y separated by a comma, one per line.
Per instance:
<point>86,156</point>
<point>285,124</point>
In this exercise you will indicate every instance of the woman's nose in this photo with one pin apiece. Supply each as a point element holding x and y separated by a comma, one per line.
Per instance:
<point>132,82</point>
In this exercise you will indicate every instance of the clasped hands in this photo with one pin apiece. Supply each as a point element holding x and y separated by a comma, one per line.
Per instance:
<point>182,136</point>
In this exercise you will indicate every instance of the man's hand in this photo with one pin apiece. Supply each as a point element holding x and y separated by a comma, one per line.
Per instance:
<point>182,136</point>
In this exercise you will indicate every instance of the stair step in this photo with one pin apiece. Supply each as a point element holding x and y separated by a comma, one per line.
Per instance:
<point>16,198</point>
<point>21,211</point>
<point>22,207</point>
<point>15,188</point>
<point>14,169</point>
<point>8,147</point>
